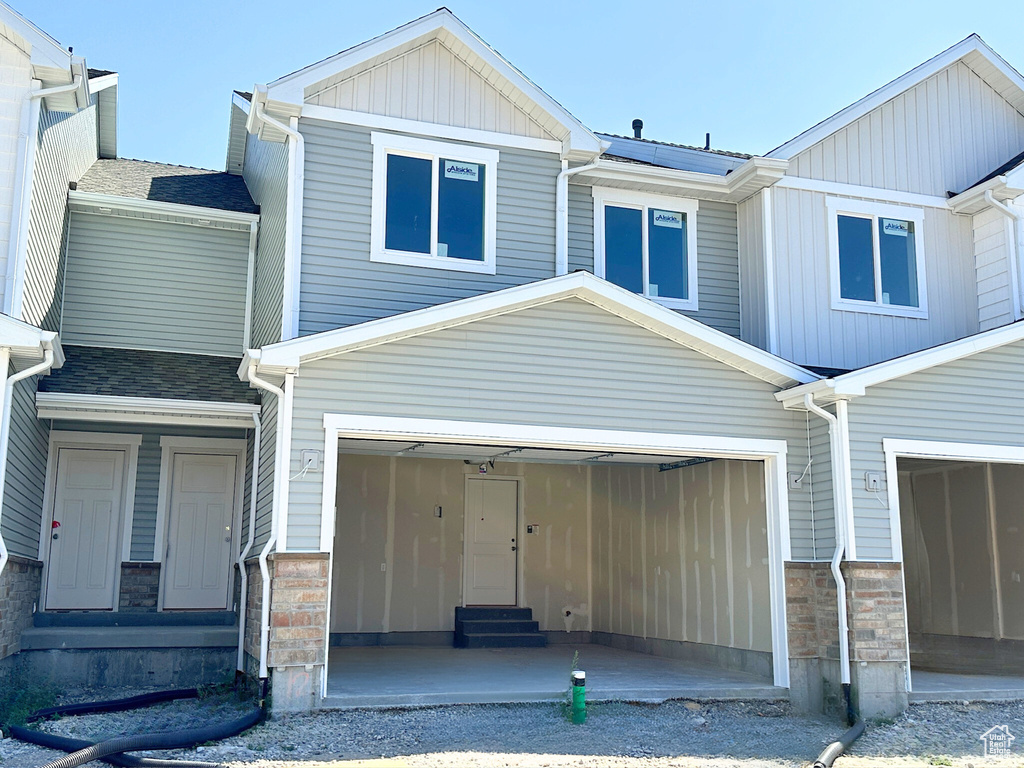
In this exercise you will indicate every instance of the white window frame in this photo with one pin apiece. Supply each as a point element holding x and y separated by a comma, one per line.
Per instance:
<point>867,209</point>
<point>624,198</point>
<point>385,144</point>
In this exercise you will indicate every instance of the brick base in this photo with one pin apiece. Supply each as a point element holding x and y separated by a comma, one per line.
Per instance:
<point>140,587</point>
<point>19,591</point>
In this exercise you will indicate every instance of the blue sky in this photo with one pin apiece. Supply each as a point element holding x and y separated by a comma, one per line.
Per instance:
<point>754,74</point>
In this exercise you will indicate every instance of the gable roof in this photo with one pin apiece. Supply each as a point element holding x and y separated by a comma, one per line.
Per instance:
<point>579,285</point>
<point>974,52</point>
<point>441,24</point>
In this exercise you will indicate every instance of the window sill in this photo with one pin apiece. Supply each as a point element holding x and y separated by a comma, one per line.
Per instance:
<point>486,267</point>
<point>888,310</point>
<point>690,305</point>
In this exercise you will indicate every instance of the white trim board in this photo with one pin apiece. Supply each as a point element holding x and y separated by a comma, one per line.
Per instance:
<point>870,193</point>
<point>771,452</point>
<point>143,410</point>
<point>96,201</point>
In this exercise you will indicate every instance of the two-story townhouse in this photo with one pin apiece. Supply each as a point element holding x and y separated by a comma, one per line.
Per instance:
<point>497,335</point>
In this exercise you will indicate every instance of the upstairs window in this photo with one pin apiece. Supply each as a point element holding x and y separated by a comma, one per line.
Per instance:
<point>433,204</point>
<point>876,258</point>
<point>647,244</point>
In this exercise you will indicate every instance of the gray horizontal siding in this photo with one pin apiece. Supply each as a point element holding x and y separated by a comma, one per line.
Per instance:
<point>67,148</point>
<point>237,136</point>
<point>340,286</point>
<point>266,176</point>
<point>154,285</point>
<point>975,400</point>
<point>820,478</point>
<point>26,472</point>
<point>566,364</point>
<point>752,280</point>
<point>718,278</point>
<point>265,482</point>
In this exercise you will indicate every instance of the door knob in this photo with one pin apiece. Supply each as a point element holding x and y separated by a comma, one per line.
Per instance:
<point>513,549</point>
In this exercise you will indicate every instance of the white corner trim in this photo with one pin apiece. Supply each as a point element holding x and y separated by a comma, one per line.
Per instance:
<point>284,481</point>
<point>387,143</point>
<point>96,200</point>
<point>605,196</point>
<point>869,193</point>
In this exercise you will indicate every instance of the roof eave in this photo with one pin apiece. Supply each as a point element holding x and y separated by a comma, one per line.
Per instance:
<point>972,201</point>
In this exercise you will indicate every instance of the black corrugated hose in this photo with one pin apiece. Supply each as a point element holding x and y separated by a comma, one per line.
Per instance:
<point>836,748</point>
<point>112,750</point>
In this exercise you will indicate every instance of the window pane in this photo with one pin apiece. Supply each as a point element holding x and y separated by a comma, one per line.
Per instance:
<point>407,217</point>
<point>460,214</point>
<point>666,254</point>
<point>898,260</point>
<point>623,247</point>
<point>856,259</point>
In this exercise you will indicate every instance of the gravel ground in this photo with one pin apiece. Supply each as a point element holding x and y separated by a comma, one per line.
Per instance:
<point>677,734</point>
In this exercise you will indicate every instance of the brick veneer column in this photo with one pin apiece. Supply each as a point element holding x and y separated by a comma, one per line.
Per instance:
<point>140,587</point>
<point>19,591</point>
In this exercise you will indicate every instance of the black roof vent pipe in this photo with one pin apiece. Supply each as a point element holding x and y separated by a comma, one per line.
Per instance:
<point>707,141</point>
<point>638,127</point>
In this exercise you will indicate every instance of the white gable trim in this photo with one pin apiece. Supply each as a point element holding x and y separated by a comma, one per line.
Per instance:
<point>971,45</point>
<point>43,49</point>
<point>290,89</point>
<point>277,358</point>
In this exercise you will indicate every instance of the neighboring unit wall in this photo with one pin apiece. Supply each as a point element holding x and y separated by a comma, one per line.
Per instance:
<point>340,285</point>
<point>26,473</point>
<point>16,79</point>
<point>598,371</point>
<point>67,148</point>
<point>993,241</point>
<point>145,284</point>
<point>753,309</point>
<point>265,482</point>
<point>974,400</point>
<point>266,176</point>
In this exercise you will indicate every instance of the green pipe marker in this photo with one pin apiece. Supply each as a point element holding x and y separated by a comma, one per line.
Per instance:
<point>579,697</point>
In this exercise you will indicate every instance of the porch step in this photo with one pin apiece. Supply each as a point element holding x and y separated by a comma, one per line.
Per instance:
<point>78,638</point>
<point>499,627</point>
<point>135,619</point>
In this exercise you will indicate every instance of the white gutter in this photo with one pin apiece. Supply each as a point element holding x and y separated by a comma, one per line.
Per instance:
<point>5,425</point>
<point>293,218</point>
<point>1017,220</point>
<point>562,216</point>
<point>275,510</point>
<point>17,246</point>
<point>842,492</point>
<point>253,487</point>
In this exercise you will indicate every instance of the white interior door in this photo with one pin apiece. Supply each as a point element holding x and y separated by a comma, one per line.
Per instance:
<point>492,512</point>
<point>85,529</point>
<point>197,562</point>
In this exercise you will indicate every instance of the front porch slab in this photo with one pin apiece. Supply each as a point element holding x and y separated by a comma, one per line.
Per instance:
<point>954,686</point>
<point>417,676</point>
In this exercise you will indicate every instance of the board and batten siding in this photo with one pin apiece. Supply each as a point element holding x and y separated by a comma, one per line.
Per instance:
<point>812,333</point>
<point>718,290</point>
<point>26,472</point>
<point>143,284</point>
<point>939,136</point>
<point>340,286</point>
<point>16,73</point>
<point>67,147</point>
<point>566,364</point>
<point>993,239</point>
<point>974,400</point>
<point>266,176</point>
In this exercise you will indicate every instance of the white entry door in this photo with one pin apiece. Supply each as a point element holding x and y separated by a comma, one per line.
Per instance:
<point>492,513</point>
<point>85,529</point>
<point>197,562</point>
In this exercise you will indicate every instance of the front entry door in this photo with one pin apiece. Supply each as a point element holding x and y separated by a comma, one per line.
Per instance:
<point>85,529</point>
<point>492,512</point>
<point>198,560</point>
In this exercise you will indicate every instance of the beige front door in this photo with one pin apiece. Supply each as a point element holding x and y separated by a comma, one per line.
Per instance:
<point>197,561</point>
<point>492,514</point>
<point>85,529</point>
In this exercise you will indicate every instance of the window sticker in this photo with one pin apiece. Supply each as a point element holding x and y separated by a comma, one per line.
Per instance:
<point>667,219</point>
<point>442,250</point>
<point>652,289</point>
<point>463,171</point>
<point>895,227</point>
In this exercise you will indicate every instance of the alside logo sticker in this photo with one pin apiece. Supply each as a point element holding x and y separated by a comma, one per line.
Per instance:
<point>464,171</point>
<point>895,227</point>
<point>668,219</point>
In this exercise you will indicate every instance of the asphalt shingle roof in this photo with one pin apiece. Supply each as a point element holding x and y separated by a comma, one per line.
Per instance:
<point>144,180</point>
<point>145,373</point>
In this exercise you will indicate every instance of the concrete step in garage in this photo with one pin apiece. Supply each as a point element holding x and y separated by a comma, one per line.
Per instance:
<point>499,627</point>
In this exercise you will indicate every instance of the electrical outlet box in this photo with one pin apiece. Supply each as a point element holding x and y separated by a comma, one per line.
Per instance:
<point>437,511</point>
<point>533,529</point>
<point>796,481</point>
<point>383,567</point>
<point>311,461</point>
<point>872,481</point>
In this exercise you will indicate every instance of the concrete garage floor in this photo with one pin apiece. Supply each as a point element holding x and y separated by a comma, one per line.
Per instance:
<point>950,686</point>
<point>417,676</point>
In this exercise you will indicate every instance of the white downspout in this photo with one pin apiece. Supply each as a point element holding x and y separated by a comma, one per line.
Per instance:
<point>17,246</point>
<point>840,487</point>
<point>5,426</point>
<point>253,487</point>
<point>293,220</point>
<point>562,216</point>
<point>1017,220</point>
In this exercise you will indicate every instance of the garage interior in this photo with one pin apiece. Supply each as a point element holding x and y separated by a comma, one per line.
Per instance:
<point>653,568</point>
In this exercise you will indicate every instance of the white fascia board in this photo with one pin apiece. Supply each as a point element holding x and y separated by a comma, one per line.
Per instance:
<point>44,50</point>
<point>86,407</point>
<point>95,200</point>
<point>290,89</point>
<point>852,113</point>
<point>582,285</point>
<point>97,84</point>
<point>1005,189</point>
<point>749,178</point>
<point>28,343</point>
<point>241,102</point>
